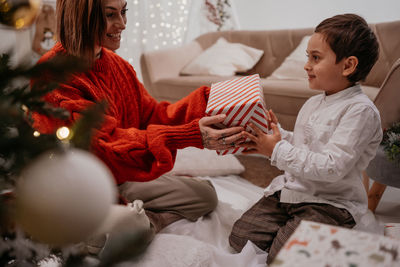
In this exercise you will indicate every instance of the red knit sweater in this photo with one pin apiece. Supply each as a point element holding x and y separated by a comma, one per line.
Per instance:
<point>139,137</point>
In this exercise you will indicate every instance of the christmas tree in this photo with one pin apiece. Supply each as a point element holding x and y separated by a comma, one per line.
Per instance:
<point>20,144</point>
<point>22,147</point>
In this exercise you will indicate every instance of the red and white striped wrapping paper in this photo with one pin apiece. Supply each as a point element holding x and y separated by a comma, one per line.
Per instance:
<point>241,99</point>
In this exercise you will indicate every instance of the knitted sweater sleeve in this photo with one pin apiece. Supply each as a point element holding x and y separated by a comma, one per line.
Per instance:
<point>146,152</point>
<point>134,149</point>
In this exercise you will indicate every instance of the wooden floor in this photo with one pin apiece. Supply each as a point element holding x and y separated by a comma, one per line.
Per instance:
<point>258,170</point>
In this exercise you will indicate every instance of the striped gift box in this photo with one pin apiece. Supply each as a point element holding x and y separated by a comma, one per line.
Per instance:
<point>241,99</point>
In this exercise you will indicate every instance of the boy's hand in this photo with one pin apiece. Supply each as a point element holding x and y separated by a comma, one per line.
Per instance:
<point>261,142</point>
<point>271,118</point>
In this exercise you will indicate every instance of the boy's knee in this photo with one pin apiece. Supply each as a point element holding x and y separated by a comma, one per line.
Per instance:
<point>237,239</point>
<point>236,242</point>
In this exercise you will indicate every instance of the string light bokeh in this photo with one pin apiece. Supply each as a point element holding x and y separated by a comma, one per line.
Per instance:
<point>153,25</point>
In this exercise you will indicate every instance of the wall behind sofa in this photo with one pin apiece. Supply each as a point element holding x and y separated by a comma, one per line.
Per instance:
<point>274,14</point>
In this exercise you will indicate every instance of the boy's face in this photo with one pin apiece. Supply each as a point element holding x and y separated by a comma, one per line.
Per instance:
<point>323,71</point>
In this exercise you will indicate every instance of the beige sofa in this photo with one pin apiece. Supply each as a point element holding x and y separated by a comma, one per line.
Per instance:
<point>161,69</point>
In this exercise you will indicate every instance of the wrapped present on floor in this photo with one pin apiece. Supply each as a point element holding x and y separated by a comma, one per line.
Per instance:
<point>392,230</point>
<point>242,101</point>
<point>317,244</point>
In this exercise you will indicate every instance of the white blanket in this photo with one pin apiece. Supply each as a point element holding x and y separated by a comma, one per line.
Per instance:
<point>205,242</point>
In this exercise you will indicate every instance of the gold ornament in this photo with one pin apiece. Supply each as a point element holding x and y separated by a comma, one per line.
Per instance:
<point>18,14</point>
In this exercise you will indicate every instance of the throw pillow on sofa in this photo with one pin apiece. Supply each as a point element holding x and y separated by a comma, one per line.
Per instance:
<point>223,59</point>
<point>292,67</point>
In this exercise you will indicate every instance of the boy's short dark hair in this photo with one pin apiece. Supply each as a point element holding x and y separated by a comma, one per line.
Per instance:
<point>349,35</point>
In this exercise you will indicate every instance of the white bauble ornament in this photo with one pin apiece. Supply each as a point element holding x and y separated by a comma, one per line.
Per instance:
<point>63,197</point>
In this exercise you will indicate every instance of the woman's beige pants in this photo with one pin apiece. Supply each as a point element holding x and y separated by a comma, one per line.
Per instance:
<point>187,196</point>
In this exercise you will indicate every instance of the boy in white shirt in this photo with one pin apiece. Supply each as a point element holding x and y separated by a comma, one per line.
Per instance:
<point>335,136</point>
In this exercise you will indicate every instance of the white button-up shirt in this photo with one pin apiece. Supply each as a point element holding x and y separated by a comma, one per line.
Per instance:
<point>334,139</point>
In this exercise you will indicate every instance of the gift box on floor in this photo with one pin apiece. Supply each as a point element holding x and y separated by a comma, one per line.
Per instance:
<point>242,101</point>
<point>392,230</point>
<point>316,244</point>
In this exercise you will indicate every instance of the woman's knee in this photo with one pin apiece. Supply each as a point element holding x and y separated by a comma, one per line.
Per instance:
<point>204,201</point>
<point>210,198</point>
<point>187,196</point>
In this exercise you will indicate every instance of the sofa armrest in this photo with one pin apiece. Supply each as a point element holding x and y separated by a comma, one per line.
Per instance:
<point>385,101</point>
<point>156,65</point>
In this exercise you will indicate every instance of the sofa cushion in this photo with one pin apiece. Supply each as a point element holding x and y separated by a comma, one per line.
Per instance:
<point>292,88</point>
<point>289,91</point>
<point>292,67</point>
<point>370,91</point>
<point>223,59</point>
<point>174,88</point>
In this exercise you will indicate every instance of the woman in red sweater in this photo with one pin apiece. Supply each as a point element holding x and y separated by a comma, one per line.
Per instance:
<point>139,138</point>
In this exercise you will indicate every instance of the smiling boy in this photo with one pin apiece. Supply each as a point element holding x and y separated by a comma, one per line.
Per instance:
<point>335,136</point>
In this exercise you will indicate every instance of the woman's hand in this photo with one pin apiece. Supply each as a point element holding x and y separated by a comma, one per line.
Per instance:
<point>219,139</point>
<point>261,142</point>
